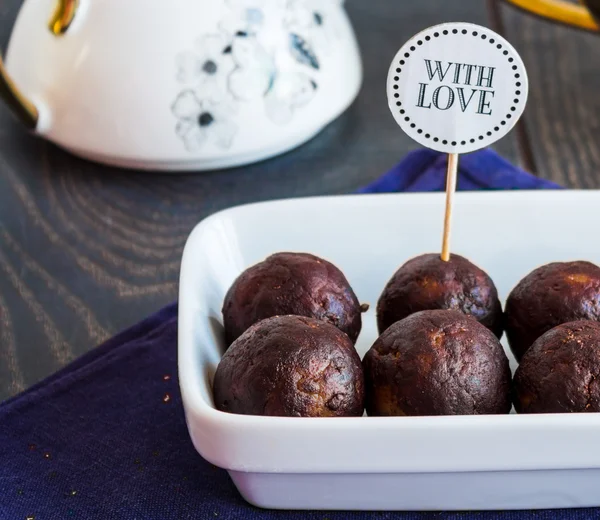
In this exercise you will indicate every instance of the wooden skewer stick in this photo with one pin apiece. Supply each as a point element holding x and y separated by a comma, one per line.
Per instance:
<point>450,189</point>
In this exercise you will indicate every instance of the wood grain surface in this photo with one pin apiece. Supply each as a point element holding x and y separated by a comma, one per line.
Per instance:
<point>87,250</point>
<point>563,112</point>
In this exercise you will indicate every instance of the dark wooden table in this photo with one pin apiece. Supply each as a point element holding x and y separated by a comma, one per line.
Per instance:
<point>87,250</point>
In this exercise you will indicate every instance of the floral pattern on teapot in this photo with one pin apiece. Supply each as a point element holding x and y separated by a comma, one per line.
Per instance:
<point>243,63</point>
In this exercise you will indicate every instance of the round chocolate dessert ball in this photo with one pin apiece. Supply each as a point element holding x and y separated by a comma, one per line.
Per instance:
<point>552,294</point>
<point>291,366</point>
<point>437,363</point>
<point>291,283</point>
<point>428,283</point>
<point>559,372</point>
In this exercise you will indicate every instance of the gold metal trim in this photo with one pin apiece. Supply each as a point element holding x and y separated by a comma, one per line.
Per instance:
<point>22,107</point>
<point>63,16</point>
<point>560,11</point>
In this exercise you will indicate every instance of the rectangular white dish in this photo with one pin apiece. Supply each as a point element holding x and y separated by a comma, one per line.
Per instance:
<point>397,463</point>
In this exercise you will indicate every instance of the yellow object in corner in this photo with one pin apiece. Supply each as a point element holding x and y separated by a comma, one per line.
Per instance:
<point>561,11</point>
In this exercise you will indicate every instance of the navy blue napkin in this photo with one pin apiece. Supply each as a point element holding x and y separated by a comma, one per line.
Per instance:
<point>105,438</point>
<point>425,170</point>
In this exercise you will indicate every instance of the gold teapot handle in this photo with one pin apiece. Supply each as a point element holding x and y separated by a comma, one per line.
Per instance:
<point>22,107</point>
<point>560,11</point>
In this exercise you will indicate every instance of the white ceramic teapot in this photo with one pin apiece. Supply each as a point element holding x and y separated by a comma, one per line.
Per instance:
<point>180,84</point>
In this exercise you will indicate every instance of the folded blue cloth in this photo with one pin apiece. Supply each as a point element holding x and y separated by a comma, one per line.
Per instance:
<point>105,438</point>
<point>425,170</point>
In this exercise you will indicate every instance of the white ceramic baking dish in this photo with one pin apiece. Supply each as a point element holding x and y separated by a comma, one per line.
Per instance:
<point>398,463</point>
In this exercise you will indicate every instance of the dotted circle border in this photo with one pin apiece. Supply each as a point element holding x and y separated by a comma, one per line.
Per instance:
<point>475,34</point>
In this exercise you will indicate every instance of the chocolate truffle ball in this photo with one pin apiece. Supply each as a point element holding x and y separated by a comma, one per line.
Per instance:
<point>428,283</point>
<point>291,366</point>
<point>291,283</point>
<point>437,363</point>
<point>555,293</point>
<point>560,372</point>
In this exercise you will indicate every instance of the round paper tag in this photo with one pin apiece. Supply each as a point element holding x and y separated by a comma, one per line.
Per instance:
<point>457,87</point>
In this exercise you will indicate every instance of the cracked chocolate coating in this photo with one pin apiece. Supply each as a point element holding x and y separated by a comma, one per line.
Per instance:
<point>561,371</point>
<point>291,366</point>
<point>552,294</point>
<point>291,283</point>
<point>428,283</point>
<point>438,362</point>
